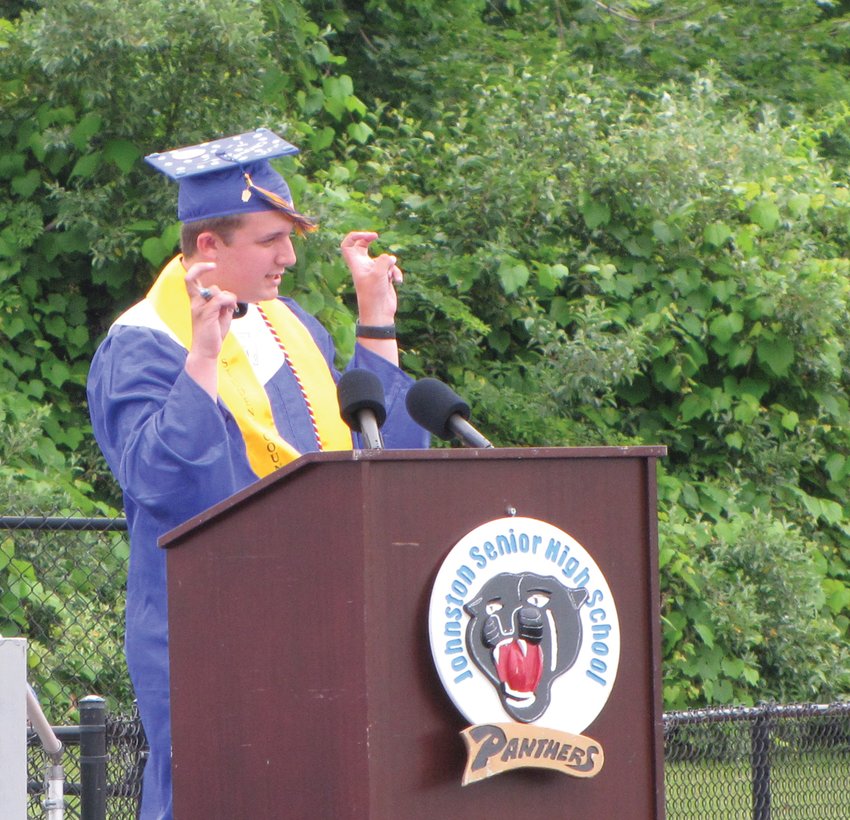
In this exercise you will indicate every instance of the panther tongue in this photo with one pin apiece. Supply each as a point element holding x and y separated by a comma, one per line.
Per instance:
<point>520,665</point>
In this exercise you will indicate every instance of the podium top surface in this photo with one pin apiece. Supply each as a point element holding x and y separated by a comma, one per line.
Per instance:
<point>445,454</point>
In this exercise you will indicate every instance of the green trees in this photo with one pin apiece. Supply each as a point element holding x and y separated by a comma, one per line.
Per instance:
<point>91,87</point>
<point>612,232</point>
<point>664,267</point>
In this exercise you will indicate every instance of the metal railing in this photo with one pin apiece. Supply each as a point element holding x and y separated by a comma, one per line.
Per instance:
<point>103,759</point>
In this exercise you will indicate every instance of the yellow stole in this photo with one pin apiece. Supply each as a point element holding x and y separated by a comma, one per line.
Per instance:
<point>240,389</point>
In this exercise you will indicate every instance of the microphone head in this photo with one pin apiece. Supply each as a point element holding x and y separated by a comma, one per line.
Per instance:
<point>431,404</point>
<point>360,390</point>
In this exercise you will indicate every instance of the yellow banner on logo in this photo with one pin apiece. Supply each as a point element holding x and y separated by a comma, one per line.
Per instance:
<point>493,748</point>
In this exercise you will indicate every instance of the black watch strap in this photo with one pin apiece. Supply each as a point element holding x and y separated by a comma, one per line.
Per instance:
<point>374,331</point>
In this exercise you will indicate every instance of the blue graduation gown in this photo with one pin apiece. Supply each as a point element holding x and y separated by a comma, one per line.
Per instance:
<point>176,452</point>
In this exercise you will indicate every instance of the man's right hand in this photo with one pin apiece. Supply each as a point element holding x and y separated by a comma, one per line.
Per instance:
<point>212,313</point>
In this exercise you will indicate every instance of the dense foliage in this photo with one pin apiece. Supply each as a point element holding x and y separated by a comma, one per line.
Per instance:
<point>619,222</point>
<point>62,589</point>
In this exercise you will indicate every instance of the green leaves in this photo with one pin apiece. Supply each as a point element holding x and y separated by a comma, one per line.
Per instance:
<point>777,353</point>
<point>765,214</point>
<point>26,184</point>
<point>359,131</point>
<point>82,133</point>
<point>725,326</point>
<point>123,153</point>
<point>550,277</point>
<point>339,98</point>
<point>158,249</point>
<point>595,212</point>
<point>717,234</point>
<point>760,591</point>
<point>513,274</point>
<point>86,166</point>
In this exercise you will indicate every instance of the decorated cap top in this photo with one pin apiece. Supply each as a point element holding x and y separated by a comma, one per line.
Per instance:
<point>230,176</point>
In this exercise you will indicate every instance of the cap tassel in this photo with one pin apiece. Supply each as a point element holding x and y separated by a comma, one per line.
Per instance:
<point>302,223</point>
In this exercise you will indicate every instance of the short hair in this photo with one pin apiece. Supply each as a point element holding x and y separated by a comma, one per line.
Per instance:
<point>224,226</point>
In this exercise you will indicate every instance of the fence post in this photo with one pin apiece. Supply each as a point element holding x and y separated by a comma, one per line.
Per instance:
<point>13,727</point>
<point>92,758</point>
<point>760,762</point>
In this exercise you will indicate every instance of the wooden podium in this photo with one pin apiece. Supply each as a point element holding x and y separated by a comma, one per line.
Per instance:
<point>302,681</point>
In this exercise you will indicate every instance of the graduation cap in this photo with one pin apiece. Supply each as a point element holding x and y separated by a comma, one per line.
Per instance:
<point>230,176</point>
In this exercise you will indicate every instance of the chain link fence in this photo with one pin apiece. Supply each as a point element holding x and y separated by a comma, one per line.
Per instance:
<point>102,766</point>
<point>771,762</point>
<point>62,587</point>
<point>62,582</point>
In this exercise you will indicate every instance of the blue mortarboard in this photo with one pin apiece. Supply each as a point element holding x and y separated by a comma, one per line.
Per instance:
<point>230,176</point>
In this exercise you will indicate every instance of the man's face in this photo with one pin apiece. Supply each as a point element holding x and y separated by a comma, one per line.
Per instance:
<point>252,262</point>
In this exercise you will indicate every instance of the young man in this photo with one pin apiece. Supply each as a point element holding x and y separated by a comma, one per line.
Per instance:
<point>212,381</point>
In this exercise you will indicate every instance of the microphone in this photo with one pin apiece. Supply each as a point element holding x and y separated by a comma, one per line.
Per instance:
<point>361,404</point>
<point>436,407</point>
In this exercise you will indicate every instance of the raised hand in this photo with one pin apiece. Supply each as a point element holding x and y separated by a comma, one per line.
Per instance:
<point>212,313</point>
<point>374,278</point>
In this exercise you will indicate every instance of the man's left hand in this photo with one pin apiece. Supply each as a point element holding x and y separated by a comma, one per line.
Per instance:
<point>374,278</point>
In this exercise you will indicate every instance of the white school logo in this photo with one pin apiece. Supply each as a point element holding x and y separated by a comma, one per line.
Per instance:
<point>524,630</point>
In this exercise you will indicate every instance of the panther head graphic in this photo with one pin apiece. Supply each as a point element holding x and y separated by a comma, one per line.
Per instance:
<point>524,632</point>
